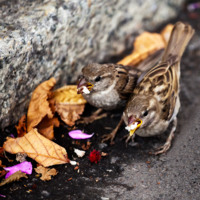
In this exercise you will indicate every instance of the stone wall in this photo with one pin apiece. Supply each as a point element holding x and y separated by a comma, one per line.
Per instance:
<point>40,39</point>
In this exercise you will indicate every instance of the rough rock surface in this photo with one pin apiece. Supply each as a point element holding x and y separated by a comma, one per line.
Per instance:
<point>40,39</point>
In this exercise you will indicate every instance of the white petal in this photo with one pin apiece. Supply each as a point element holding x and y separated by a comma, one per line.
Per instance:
<point>79,153</point>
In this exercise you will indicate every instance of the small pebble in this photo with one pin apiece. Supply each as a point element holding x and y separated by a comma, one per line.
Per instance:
<point>132,144</point>
<point>104,198</point>
<point>102,145</point>
<point>45,193</point>
<point>113,160</point>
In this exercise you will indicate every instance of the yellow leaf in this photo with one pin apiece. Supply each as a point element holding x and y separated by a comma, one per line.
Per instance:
<point>144,45</point>
<point>37,147</point>
<point>68,95</point>
<point>166,32</point>
<point>69,105</point>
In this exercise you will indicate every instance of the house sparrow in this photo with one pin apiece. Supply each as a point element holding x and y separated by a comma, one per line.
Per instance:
<point>108,86</point>
<point>155,100</point>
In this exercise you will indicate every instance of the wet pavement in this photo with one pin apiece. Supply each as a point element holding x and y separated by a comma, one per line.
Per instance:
<point>131,172</point>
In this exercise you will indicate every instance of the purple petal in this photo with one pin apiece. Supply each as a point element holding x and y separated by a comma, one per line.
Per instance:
<point>12,135</point>
<point>25,167</point>
<point>78,134</point>
<point>1,195</point>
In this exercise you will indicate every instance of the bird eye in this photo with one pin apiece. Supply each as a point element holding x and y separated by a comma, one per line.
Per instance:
<point>98,78</point>
<point>145,113</point>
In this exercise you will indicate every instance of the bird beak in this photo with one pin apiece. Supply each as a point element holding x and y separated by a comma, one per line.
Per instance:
<point>133,125</point>
<point>81,83</point>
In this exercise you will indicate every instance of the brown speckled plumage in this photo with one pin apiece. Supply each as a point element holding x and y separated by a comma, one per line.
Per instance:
<point>117,82</point>
<point>158,92</point>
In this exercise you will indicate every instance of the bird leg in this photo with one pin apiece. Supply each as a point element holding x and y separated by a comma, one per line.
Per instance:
<point>167,144</point>
<point>111,136</point>
<point>92,118</point>
<point>128,137</point>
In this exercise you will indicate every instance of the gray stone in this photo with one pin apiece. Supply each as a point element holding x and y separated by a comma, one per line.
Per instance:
<point>45,193</point>
<point>102,145</point>
<point>114,160</point>
<point>41,39</point>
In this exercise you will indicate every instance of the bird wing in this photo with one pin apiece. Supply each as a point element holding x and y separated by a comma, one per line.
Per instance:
<point>162,82</point>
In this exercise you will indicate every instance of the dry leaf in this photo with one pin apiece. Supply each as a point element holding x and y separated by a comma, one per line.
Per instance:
<point>1,164</point>
<point>52,104</point>
<point>70,113</point>
<point>21,157</point>
<point>14,177</point>
<point>144,45</point>
<point>166,32</point>
<point>45,127</point>
<point>21,128</point>
<point>86,147</point>
<point>69,104</point>
<point>3,173</point>
<point>46,173</point>
<point>104,154</point>
<point>75,168</point>
<point>1,152</point>
<point>39,106</point>
<point>37,147</point>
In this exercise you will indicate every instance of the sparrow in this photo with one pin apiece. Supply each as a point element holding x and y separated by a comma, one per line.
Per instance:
<point>155,102</point>
<point>108,86</point>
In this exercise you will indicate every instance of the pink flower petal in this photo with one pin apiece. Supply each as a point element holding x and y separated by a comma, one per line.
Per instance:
<point>1,195</point>
<point>78,134</point>
<point>25,167</point>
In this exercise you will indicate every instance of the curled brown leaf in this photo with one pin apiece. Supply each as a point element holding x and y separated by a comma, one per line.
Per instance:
<point>1,164</point>
<point>3,173</point>
<point>46,127</point>
<point>21,128</point>
<point>39,106</point>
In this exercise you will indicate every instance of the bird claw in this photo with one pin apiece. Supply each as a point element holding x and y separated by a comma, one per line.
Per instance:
<point>91,119</point>
<point>110,137</point>
<point>164,148</point>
